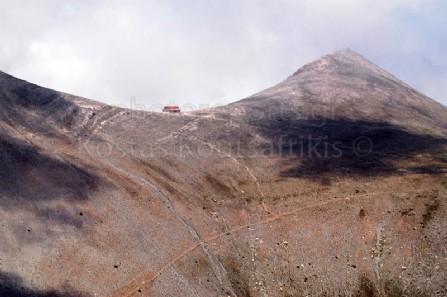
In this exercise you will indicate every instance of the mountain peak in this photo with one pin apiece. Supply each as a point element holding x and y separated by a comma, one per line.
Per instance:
<point>354,88</point>
<point>341,60</point>
<point>352,56</point>
<point>347,51</point>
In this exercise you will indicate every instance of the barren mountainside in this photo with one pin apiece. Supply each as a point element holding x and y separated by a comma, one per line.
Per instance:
<point>331,183</point>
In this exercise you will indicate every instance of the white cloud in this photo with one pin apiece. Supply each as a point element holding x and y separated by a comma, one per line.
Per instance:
<point>210,52</point>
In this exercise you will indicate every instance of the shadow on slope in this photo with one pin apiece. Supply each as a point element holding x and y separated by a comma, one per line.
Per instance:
<point>321,147</point>
<point>11,285</point>
<point>31,181</point>
<point>23,103</point>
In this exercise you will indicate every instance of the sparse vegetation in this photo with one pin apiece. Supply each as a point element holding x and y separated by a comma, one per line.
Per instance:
<point>269,196</point>
<point>362,213</point>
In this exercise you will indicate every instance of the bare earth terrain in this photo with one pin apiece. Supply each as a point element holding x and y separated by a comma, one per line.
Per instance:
<point>331,183</point>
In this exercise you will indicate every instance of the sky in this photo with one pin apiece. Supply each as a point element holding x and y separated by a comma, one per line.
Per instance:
<point>198,54</point>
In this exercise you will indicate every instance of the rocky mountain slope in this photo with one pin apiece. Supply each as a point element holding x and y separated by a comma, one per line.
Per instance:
<point>330,183</point>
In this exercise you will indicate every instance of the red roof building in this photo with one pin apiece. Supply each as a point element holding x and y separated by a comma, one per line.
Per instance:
<point>171,108</point>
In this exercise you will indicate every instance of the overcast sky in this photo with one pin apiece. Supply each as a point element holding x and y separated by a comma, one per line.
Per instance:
<point>207,53</point>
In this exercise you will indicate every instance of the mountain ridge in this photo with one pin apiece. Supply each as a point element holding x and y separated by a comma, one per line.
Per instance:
<point>97,200</point>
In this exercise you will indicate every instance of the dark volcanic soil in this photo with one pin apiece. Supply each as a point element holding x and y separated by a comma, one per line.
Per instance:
<point>332,183</point>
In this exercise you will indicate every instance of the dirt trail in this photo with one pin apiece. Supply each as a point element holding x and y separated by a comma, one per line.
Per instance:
<point>250,172</point>
<point>151,276</point>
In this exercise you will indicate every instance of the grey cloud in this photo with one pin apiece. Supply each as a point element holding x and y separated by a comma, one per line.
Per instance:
<point>210,52</point>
